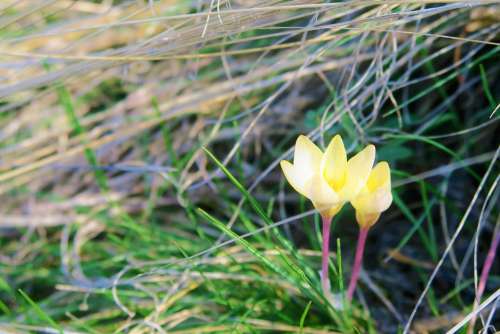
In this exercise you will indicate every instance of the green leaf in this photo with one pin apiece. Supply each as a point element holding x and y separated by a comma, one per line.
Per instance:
<point>41,314</point>
<point>5,286</point>
<point>303,317</point>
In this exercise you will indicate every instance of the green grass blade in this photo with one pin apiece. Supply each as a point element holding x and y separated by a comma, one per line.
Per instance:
<point>41,314</point>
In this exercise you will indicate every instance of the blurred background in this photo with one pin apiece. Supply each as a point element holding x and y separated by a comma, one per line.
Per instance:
<point>113,218</point>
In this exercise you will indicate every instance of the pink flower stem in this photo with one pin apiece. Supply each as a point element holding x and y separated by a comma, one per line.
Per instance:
<point>358,259</point>
<point>325,282</point>
<point>488,263</point>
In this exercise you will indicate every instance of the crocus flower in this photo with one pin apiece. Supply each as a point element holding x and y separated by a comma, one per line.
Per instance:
<point>304,175</point>
<point>372,200</point>
<point>329,180</point>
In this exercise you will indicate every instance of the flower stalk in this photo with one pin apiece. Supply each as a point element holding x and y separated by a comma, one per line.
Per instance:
<point>485,272</point>
<point>488,263</point>
<point>358,260</point>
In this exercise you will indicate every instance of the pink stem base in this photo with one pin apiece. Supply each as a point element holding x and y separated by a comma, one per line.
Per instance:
<point>488,263</point>
<point>485,272</point>
<point>358,259</point>
<point>325,282</point>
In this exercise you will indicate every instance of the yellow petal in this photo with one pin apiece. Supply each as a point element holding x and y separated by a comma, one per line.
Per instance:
<point>379,177</point>
<point>307,156</point>
<point>297,180</point>
<point>366,220</point>
<point>321,194</point>
<point>334,163</point>
<point>376,196</point>
<point>334,210</point>
<point>375,202</point>
<point>358,171</point>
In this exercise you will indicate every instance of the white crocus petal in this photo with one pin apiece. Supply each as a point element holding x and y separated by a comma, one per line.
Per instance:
<point>358,171</point>
<point>334,163</point>
<point>296,179</point>
<point>307,156</point>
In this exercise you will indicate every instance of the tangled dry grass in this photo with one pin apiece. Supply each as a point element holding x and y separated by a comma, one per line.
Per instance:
<point>106,106</point>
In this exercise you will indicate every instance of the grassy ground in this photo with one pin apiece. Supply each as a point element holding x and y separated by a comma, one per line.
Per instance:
<point>139,151</point>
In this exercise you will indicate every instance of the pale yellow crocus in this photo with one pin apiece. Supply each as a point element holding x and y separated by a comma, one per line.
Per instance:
<point>304,175</point>
<point>346,177</point>
<point>375,197</point>
<point>328,179</point>
<point>372,200</point>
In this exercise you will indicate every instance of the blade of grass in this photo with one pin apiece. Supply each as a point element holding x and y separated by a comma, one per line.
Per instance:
<point>303,317</point>
<point>41,314</point>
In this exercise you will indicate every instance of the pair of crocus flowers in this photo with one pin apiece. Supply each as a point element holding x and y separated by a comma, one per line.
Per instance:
<point>329,180</point>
